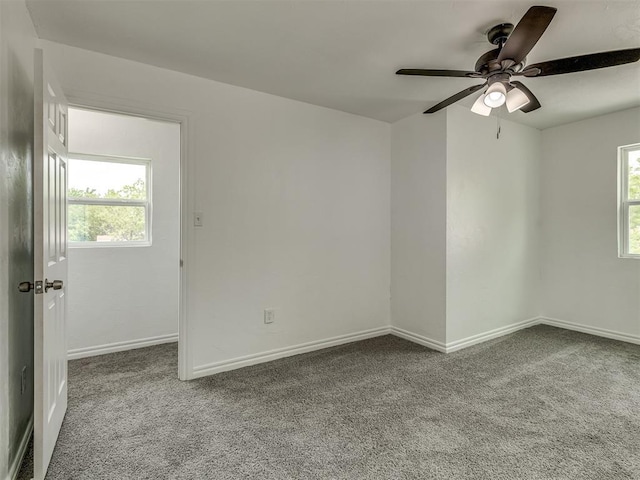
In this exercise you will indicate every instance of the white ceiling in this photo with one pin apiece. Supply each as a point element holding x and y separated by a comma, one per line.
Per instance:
<point>343,54</point>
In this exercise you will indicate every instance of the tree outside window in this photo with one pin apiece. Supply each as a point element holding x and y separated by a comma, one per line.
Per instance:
<point>109,201</point>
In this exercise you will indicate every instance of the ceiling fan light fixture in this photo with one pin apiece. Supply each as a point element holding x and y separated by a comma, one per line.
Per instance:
<point>513,45</point>
<point>480,108</point>
<point>516,99</point>
<point>496,95</point>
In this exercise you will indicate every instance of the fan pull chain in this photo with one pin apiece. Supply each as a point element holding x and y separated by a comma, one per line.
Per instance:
<point>498,125</point>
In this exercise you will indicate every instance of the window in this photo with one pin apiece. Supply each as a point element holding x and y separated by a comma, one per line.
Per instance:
<point>629,211</point>
<point>109,201</point>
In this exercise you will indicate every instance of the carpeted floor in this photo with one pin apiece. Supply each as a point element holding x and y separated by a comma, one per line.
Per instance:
<point>542,403</point>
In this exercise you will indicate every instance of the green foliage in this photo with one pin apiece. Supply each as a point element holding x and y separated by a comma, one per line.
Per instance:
<point>115,223</point>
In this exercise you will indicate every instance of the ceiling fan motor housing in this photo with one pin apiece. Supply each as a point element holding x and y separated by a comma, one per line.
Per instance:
<point>498,35</point>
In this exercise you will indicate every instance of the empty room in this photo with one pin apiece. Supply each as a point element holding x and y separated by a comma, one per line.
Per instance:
<point>305,239</point>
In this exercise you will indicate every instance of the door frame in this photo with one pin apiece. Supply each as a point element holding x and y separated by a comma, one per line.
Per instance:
<point>186,182</point>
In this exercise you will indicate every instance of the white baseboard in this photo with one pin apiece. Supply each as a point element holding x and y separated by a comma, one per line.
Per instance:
<point>120,346</point>
<point>599,332</point>
<point>14,468</point>
<point>491,334</point>
<point>419,339</point>
<point>465,342</point>
<point>247,360</point>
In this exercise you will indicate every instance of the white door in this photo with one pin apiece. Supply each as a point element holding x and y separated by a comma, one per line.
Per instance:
<point>50,269</point>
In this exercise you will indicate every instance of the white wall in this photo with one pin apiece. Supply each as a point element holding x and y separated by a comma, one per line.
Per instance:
<point>17,41</point>
<point>465,218</point>
<point>127,294</point>
<point>584,281</point>
<point>295,201</point>
<point>492,223</point>
<point>418,225</point>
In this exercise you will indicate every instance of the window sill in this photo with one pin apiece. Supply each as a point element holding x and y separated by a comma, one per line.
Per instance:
<point>629,256</point>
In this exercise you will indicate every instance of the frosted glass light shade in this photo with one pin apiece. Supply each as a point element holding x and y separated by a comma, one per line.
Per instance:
<point>496,95</point>
<point>480,108</point>
<point>516,99</point>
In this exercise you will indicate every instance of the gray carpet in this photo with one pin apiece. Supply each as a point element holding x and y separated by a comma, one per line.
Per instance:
<point>542,403</point>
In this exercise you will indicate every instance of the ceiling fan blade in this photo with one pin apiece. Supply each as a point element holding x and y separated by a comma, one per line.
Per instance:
<point>437,73</point>
<point>454,98</point>
<point>533,104</point>
<point>582,63</point>
<point>526,34</point>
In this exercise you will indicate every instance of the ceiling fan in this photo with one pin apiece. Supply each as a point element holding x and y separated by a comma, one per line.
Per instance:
<point>508,60</point>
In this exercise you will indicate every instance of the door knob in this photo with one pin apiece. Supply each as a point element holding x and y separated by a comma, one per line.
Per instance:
<point>28,286</point>
<point>25,287</point>
<point>56,285</point>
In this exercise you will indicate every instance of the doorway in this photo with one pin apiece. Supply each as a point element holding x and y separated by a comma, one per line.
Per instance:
<point>123,231</point>
<point>126,282</point>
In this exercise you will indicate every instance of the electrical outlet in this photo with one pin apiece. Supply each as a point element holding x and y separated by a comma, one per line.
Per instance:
<point>23,383</point>
<point>269,315</point>
<point>197,219</point>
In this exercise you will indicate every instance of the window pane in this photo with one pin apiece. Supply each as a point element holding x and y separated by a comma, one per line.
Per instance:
<point>106,223</point>
<point>634,229</point>
<point>634,174</point>
<point>99,179</point>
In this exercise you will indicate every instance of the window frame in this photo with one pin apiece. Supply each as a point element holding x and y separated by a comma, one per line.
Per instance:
<point>624,202</point>
<point>146,162</point>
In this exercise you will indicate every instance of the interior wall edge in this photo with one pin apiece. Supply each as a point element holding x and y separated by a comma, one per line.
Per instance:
<point>456,345</point>
<point>490,334</point>
<point>419,339</point>
<point>418,228</point>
